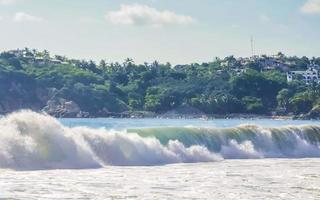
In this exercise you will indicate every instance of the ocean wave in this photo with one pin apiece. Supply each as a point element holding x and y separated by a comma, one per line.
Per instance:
<point>30,140</point>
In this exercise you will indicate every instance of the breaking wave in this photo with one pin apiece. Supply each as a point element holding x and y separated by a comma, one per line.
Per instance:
<point>30,141</point>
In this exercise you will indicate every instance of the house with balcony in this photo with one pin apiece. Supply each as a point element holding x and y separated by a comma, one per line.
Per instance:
<point>309,76</point>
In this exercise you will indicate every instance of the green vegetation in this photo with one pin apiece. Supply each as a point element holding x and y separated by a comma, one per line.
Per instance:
<point>30,79</point>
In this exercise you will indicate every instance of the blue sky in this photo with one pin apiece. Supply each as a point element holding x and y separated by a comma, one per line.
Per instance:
<point>176,31</point>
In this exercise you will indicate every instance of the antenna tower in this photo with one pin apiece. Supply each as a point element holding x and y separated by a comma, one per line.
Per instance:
<point>252,46</point>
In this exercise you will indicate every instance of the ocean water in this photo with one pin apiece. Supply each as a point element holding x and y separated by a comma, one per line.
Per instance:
<point>46,158</point>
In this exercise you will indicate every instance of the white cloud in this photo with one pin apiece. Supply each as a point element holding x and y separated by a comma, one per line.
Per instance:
<point>311,7</point>
<point>137,14</point>
<point>7,2</point>
<point>21,17</point>
<point>264,18</point>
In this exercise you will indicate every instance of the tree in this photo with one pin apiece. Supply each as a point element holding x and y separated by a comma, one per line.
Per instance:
<point>15,62</point>
<point>253,105</point>
<point>255,65</point>
<point>156,87</point>
<point>283,98</point>
<point>152,103</point>
<point>219,103</point>
<point>45,54</point>
<point>264,86</point>
<point>103,65</point>
<point>301,103</point>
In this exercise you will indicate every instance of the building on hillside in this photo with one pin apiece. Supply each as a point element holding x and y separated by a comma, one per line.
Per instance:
<point>239,71</point>
<point>17,53</point>
<point>65,63</point>
<point>21,53</point>
<point>315,66</point>
<point>309,76</point>
<point>40,60</point>
<point>243,61</point>
<point>254,58</point>
<point>55,61</point>
<point>272,63</point>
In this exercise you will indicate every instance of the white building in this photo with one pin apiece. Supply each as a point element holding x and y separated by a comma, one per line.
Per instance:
<point>309,76</point>
<point>55,61</point>
<point>240,71</point>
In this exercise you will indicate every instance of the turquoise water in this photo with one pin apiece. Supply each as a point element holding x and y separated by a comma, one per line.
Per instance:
<point>120,124</point>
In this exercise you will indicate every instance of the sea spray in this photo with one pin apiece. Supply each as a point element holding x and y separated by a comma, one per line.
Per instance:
<point>245,141</point>
<point>30,140</point>
<point>34,141</point>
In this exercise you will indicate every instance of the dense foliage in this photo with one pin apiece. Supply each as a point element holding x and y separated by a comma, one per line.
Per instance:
<point>211,88</point>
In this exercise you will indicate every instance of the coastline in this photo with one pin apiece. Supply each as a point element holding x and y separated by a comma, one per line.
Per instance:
<point>184,114</point>
<point>200,116</point>
<point>150,115</point>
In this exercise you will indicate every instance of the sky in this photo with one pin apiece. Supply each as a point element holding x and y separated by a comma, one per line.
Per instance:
<point>176,31</point>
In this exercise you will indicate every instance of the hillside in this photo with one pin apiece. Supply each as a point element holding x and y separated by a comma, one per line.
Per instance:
<point>63,87</point>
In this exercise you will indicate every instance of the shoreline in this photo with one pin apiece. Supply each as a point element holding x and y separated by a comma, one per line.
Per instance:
<point>150,115</point>
<point>198,116</point>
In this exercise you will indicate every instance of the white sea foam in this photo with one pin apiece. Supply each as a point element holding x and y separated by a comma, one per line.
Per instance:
<point>30,140</point>
<point>245,150</point>
<point>35,141</point>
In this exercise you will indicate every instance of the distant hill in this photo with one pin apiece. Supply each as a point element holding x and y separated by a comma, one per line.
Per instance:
<point>63,87</point>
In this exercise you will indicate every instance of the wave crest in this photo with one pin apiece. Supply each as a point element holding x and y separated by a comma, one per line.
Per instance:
<point>30,140</point>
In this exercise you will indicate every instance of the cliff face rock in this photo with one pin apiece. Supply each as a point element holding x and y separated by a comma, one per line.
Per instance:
<point>17,95</point>
<point>12,104</point>
<point>63,108</point>
<point>59,107</point>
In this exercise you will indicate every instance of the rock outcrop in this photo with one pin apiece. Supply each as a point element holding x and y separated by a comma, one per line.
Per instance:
<point>63,108</point>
